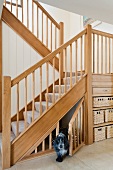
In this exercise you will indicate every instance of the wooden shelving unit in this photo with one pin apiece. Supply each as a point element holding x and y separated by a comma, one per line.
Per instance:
<point>101,90</point>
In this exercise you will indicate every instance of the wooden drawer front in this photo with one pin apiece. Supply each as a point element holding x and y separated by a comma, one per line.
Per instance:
<point>103,91</point>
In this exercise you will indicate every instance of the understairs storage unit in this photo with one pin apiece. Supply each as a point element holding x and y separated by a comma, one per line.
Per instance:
<point>102,90</point>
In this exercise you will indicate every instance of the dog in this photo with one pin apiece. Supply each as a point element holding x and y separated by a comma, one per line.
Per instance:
<point>61,146</point>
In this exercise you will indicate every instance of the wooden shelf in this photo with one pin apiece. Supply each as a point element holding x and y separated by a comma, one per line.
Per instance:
<point>103,124</point>
<point>104,107</point>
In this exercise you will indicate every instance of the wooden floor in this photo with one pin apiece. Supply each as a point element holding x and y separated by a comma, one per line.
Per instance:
<point>98,156</point>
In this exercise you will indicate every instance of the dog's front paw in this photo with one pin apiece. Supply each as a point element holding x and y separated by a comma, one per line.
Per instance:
<point>59,159</point>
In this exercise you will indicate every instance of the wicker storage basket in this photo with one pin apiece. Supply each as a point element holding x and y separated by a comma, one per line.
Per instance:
<point>102,101</point>
<point>110,131</point>
<point>98,116</point>
<point>99,134</point>
<point>109,115</point>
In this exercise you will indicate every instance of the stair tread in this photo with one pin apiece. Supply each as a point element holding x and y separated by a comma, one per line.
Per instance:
<point>43,103</point>
<point>29,115</point>
<point>21,126</point>
<point>12,137</point>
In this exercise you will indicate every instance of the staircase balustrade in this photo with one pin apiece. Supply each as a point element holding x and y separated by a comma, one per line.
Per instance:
<point>38,21</point>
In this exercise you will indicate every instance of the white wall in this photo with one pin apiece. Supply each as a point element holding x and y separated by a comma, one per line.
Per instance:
<point>72,22</point>
<point>1,6</point>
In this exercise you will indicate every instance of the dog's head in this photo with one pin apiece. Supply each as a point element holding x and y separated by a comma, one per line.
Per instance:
<point>61,141</point>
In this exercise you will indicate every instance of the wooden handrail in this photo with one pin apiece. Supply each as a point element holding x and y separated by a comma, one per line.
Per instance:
<point>102,33</point>
<point>48,15</point>
<point>46,59</point>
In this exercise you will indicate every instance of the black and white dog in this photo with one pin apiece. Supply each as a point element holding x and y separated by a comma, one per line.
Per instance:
<point>61,146</point>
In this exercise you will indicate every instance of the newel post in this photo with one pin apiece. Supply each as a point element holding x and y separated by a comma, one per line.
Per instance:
<point>6,123</point>
<point>0,75</point>
<point>88,70</point>
<point>61,41</point>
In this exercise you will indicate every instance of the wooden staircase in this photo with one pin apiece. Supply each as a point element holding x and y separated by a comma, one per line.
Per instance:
<point>37,123</point>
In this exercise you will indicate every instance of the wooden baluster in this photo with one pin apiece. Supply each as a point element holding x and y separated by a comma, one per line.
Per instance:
<point>53,99</point>
<point>37,22</point>
<point>57,129</point>
<point>5,2</point>
<point>40,90</point>
<point>32,17</point>
<point>65,54</point>
<point>42,27</point>
<point>6,123</point>
<point>17,130</point>
<point>112,54</point>
<point>47,84</point>
<point>94,63</point>
<point>28,14</point>
<point>77,130</point>
<point>97,53</point>
<point>108,54</point>
<point>55,37</point>
<point>51,38</point>
<point>105,54</point>
<point>22,11</point>
<point>101,54</point>
<point>46,31</point>
<point>61,41</point>
<point>11,5</point>
<point>74,135</point>
<point>59,75</point>
<point>71,137</point>
<point>83,121</point>
<point>36,150</point>
<point>76,60</point>
<point>50,141</point>
<point>17,8</point>
<point>33,95</point>
<point>81,54</point>
<point>70,65</point>
<point>25,117</point>
<point>84,52</point>
<point>43,145</point>
<point>81,111</point>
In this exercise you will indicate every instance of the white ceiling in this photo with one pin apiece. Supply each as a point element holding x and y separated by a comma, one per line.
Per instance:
<point>98,9</point>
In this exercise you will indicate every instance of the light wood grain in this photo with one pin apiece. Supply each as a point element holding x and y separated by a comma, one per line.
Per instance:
<point>47,14</point>
<point>20,29</point>
<point>6,125</point>
<point>48,119</point>
<point>102,33</point>
<point>0,75</point>
<point>89,85</point>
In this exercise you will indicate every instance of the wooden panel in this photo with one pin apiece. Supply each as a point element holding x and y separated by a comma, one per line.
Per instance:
<point>6,131</point>
<point>20,29</point>
<point>0,75</point>
<point>88,103</point>
<point>102,77</point>
<point>103,90</point>
<point>102,84</point>
<point>29,138</point>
